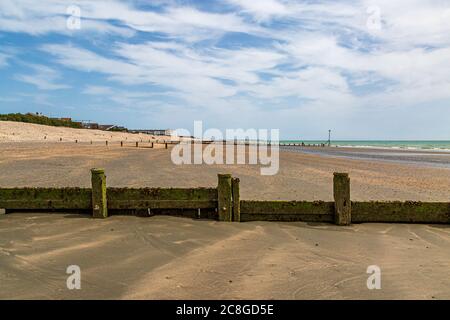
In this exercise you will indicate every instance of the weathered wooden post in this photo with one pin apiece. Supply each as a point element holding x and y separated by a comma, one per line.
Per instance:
<point>236,199</point>
<point>106,142</point>
<point>121,143</point>
<point>342,203</point>
<point>166,145</point>
<point>137,144</point>
<point>99,204</point>
<point>151,145</point>
<point>224,197</point>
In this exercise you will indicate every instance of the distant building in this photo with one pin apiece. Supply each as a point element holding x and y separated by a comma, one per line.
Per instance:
<point>38,114</point>
<point>155,132</point>
<point>90,125</point>
<point>106,127</point>
<point>119,128</point>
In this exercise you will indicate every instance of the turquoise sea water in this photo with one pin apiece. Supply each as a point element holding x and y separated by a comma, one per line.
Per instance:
<point>391,144</point>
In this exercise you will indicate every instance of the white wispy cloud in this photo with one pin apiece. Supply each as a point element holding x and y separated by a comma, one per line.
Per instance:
<point>98,90</point>
<point>41,99</point>
<point>50,16</point>
<point>261,9</point>
<point>3,59</point>
<point>131,100</point>
<point>43,77</point>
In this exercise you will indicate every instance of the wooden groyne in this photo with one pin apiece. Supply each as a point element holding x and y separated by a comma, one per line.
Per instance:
<point>222,203</point>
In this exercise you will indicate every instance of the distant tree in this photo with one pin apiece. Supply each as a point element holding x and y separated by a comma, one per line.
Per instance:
<point>39,119</point>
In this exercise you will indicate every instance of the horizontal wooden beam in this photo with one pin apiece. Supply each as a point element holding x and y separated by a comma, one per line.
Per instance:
<point>245,217</point>
<point>376,211</point>
<point>147,194</point>
<point>314,211</point>
<point>161,204</point>
<point>398,211</point>
<point>118,198</point>
<point>287,207</point>
<point>45,198</point>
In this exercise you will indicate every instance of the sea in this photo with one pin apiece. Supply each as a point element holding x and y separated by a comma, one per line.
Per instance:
<point>443,145</point>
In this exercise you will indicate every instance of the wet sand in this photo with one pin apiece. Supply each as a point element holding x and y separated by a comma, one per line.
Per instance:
<point>178,258</point>
<point>434,158</point>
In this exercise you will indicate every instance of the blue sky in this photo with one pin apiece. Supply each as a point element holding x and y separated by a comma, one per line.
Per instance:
<point>365,69</point>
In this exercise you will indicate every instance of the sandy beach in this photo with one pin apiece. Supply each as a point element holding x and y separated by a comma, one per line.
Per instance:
<point>178,258</point>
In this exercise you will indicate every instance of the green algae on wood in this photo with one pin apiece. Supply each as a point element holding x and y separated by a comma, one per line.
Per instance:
<point>115,194</point>
<point>45,198</point>
<point>236,199</point>
<point>99,202</point>
<point>287,207</point>
<point>224,194</point>
<point>342,203</point>
<point>398,211</point>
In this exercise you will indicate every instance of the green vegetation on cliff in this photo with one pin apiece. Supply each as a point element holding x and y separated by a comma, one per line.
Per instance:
<point>39,119</point>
